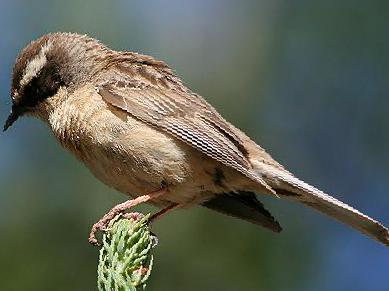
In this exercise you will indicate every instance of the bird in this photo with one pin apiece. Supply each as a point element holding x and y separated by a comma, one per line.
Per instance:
<point>131,120</point>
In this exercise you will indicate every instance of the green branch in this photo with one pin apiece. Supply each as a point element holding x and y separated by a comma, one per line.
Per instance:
<point>126,261</point>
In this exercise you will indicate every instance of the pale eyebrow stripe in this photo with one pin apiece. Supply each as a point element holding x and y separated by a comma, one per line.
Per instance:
<point>35,65</point>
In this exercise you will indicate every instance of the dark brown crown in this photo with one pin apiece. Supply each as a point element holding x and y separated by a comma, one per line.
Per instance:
<point>53,60</point>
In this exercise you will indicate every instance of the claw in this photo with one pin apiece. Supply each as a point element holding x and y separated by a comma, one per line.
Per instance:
<point>119,209</point>
<point>133,215</point>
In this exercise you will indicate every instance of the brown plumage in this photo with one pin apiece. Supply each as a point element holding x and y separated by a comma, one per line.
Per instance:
<point>131,120</point>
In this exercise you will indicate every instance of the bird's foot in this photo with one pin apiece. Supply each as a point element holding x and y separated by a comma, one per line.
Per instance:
<point>133,215</point>
<point>103,223</point>
<point>119,209</point>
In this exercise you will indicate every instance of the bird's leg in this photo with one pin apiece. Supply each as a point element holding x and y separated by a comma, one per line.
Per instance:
<point>133,216</point>
<point>163,211</point>
<point>104,221</point>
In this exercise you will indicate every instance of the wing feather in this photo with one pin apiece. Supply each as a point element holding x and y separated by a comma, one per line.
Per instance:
<point>182,114</point>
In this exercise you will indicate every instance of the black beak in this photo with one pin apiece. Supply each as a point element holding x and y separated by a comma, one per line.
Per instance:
<point>13,116</point>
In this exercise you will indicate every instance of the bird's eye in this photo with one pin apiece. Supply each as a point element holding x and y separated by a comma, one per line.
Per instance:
<point>42,86</point>
<point>14,95</point>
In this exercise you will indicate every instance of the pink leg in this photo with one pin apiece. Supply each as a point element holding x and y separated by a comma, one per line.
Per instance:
<point>104,221</point>
<point>164,211</point>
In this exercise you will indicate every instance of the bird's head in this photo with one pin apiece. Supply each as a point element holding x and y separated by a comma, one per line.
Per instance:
<point>43,67</point>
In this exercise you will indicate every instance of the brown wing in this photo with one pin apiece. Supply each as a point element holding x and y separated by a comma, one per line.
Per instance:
<point>162,101</point>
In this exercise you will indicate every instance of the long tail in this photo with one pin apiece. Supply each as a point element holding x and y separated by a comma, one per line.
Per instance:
<point>288,186</point>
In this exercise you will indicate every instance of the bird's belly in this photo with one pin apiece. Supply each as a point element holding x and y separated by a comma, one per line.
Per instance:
<point>137,163</point>
<point>136,158</point>
<point>188,183</point>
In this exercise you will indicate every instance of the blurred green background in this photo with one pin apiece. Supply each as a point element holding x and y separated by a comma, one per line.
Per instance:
<point>308,80</point>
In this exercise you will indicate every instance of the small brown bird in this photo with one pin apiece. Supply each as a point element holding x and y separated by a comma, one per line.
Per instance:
<point>134,124</point>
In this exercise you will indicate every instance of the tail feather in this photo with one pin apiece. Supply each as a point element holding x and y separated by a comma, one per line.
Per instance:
<point>246,206</point>
<point>288,186</point>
